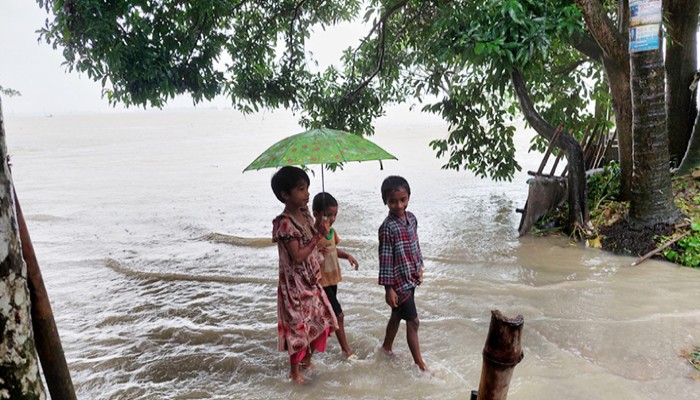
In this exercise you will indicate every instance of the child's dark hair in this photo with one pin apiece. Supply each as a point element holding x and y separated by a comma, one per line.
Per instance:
<point>322,201</point>
<point>392,183</point>
<point>286,179</point>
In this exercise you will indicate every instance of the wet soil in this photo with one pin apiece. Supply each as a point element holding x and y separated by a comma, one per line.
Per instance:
<point>621,238</point>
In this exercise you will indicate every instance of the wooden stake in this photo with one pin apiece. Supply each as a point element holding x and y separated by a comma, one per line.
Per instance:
<point>46,339</point>
<point>502,352</point>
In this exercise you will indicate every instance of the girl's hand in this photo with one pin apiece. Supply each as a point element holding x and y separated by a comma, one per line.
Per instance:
<point>353,262</point>
<point>322,226</point>
<point>323,250</point>
<point>420,276</point>
<point>391,298</point>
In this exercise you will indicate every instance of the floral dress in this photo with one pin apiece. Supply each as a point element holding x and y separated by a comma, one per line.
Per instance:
<point>303,310</point>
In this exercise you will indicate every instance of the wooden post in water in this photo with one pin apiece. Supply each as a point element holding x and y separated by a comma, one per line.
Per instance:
<point>46,339</point>
<point>502,352</point>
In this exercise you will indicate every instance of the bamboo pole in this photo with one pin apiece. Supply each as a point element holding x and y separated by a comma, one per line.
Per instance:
<point>502,352</point>
<point>47,341</point>
<point>549,149</point>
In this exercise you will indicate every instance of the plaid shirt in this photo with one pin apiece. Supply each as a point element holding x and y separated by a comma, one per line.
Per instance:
<point>400,258</point>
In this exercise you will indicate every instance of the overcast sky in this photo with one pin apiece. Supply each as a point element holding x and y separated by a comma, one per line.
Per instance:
<point>35,69</point>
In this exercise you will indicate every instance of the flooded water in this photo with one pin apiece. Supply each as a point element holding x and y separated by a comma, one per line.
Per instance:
<point>156,253</point>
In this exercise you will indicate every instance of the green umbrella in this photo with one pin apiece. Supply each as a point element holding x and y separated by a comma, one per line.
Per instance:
<point>319,146</point>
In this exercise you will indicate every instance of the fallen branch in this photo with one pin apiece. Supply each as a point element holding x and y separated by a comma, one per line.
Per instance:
<point>658,249</point>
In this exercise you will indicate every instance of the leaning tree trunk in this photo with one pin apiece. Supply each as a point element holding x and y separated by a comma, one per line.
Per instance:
<point>19,368</point>
<point>692,156</point>
<point>680,63</point>
<point>652,197</point>
<point>578,204</point>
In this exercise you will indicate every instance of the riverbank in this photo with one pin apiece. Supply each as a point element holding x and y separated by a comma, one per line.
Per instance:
<point>613,233</point>
<point>617,236</point>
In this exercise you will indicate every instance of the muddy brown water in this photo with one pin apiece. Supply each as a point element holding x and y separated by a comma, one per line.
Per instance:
<point>156,254</point>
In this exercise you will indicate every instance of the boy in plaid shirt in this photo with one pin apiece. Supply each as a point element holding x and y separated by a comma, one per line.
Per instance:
<point>400,265</point>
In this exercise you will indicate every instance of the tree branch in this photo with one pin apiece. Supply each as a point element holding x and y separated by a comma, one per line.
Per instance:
<point>533,118</point>
<point>566,70</point>
<point>381,25</point>
<point>586,45</point>
<point>611,41</point>
<point>290,38</point>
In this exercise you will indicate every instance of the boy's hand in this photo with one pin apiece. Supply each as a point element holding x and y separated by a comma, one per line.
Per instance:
<point>391,298</point>
<point>353,262</point>
<point>420,276</point>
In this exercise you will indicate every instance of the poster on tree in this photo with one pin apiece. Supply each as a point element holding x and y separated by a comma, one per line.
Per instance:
<point>645,12</point>
<point>644,38</point>
<point>645,25</point>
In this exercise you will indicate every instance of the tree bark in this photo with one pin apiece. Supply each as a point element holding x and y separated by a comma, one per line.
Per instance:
<point>652,196</point>
<point>578,203</point>
<point>19,368</point>
<point>502,352</point>
<point>681,64</point>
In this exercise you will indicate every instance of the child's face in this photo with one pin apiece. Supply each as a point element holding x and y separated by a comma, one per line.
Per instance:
<point>397,201</point>
<point>298,197</point>
<point>329,215</point>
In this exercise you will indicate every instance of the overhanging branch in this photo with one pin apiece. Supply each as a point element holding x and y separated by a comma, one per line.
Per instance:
<point>381,49</point>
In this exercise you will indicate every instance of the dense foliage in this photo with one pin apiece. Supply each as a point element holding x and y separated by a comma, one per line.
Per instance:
<point>455,57</point>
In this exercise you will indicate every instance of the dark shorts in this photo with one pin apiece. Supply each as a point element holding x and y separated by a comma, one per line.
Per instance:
<point>407,309</point>
<point>331,293</point>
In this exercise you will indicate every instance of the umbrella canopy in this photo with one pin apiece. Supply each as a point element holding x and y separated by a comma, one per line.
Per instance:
<point>319,146</point>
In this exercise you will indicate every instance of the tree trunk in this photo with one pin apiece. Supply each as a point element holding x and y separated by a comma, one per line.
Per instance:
<point>612,40</point>
<point>618,74</point>
<point>578,203</point>
<point>19,367</point>
<point>681,64</point>
<point>652,198</point>
<point>502,352</point>
<point>692,156</point>
<point>619,82</point>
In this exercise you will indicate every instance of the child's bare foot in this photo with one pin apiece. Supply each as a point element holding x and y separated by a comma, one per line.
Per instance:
<point>307,366</point>
<point>306,361</point>
<point>387,350</point>
<point>351,357</point>
<point>295,375</point>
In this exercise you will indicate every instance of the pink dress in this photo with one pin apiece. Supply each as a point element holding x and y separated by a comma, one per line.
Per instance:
<point>304,313</point>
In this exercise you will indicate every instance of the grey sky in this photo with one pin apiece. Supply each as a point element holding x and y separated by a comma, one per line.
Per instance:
<point>35,69</point>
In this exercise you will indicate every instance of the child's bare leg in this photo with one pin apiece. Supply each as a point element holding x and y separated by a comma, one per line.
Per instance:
<point>295,374</point>
<point>306,361</point>
<point>414,344</point>
<point>391,329</point>
<point>342,339</point>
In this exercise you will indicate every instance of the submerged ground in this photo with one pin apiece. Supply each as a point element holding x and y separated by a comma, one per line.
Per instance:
<point>617,236</point>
